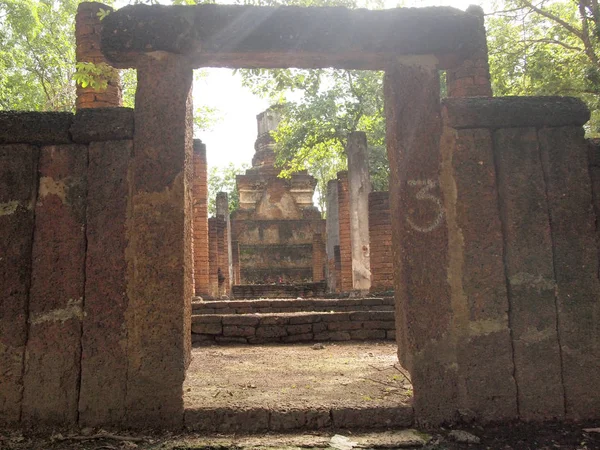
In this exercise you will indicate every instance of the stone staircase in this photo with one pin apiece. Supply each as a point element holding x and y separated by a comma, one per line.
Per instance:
<point>292,320</point>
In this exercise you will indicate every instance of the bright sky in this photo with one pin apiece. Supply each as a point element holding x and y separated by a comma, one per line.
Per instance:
<point>232,139</point>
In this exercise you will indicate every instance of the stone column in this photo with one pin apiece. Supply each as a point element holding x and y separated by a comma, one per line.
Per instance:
<point>222,204</point>
<point>380,240</point>
<point>420,240</point>
<point>159,255</point>
<point>344,233</point>
<point>472,77</point>
<point>213,257</point>
<point>235,261</point>
<point>359,186</point>
<point>200,218</point>
<point>87,38</point>
<point>332,226</point>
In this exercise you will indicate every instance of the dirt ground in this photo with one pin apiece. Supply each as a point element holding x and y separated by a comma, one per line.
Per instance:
<point>299,375</point>
<point>337,375</point>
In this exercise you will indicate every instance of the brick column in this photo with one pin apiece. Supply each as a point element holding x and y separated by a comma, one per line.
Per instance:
<point>318,258</point>
<point>87,38</point>
<point>359,186</point>
<point>345,239</point>
<point>472,77</point>
<point>159,254</point>
<point>380,237</point>
<point>235,260</point>
<point>332,226</point>
<point>200,218</point>
<point>217,234</point>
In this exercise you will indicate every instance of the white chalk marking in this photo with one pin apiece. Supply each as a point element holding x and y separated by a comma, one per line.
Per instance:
<point>425,194</point>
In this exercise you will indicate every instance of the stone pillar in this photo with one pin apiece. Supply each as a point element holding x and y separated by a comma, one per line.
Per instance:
<point>318,258</point>
<point>359,186</point>
<point>420,240</point>
<point>213,257</point>
<point>380,240</point>
<point>472,77</point>
<point>222,204</point>
<point>200,218</point>
<point>17,200</point>
<point>87,38</point>
<point>332,226</point>
<point>345,284</point>
<point>53,354</point>
<point>159,255</point>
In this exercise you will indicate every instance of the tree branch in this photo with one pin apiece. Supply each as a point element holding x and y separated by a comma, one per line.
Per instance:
<point>554,18</point>
<point>556,42</point>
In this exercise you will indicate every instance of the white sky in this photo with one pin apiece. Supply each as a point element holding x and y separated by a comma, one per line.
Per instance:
<point>232,139</point>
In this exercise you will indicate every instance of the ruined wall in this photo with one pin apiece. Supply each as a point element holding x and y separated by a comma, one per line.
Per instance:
<point>66,306</point>
<point>503,234</point>
<point>380,236</point>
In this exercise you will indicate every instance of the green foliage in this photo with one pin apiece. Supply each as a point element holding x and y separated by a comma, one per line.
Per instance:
<point>37,54</point>
<point>102,13</point>
<point>93,75</point>
<point>223,180</point>
<point>550,48</point>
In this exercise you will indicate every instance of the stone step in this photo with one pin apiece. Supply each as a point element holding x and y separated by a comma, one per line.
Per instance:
<point>292,305</point>
<point>258,420</point>
<point>253,291</point>
<point>210,329</point>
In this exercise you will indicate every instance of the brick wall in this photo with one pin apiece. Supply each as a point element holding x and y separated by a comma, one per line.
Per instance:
<point>319,258</point>
<point>87,38</point>
<point>200,219</point>
<point>380,235</point>
<point>345,243</point>
<point>472,77</point>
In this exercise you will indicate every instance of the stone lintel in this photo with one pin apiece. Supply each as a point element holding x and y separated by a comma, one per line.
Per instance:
<point>289,36</point>
<point>514,112</point>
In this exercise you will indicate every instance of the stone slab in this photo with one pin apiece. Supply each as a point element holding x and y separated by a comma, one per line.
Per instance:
<point>287,36</point>
<point>477,275</point>
<point>102,124</point>
<point>575,250</point>
<point>104,341</point>
<point>53,354</point>
<point>39,128</point>
<point>530,273</point>
<point>18,190</point>
<point>514,112</point>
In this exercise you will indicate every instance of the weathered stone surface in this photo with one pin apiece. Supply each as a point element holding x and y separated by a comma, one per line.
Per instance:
<point>240,331</point>
<point>287,36</point>
<point>200,218</point>
<point>207,328</point>
<point>513,112</point>
<point>345,233</point>
<point>332,227</point>
<point>359,186</point>
<point>53,353</point>
<point>18,190</point>
<point>42,128</point>
<point>367,334</point>
<point>401,416</point>
<point>270,331</point>
<point>420,240</point>
<point>102,124</point>
<point>575,266</point>
<point>104,340</point>
<point>477,275</point>
<point>159,233</point>
<point>241,320</point>
<point>344,326</point>
<point>530,273</point>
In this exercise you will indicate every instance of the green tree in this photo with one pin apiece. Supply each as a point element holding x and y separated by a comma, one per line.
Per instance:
<point>37,54</point>
<point>222,179</point>
<point>547,48</point>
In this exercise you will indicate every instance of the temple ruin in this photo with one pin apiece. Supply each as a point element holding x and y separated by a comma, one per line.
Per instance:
<point>493,217</point>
